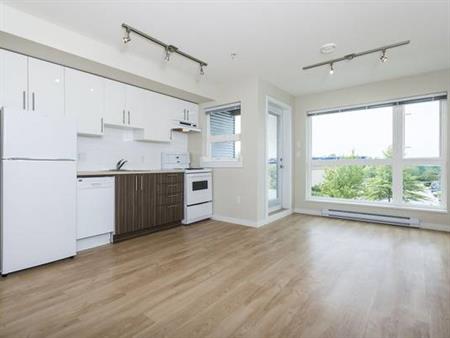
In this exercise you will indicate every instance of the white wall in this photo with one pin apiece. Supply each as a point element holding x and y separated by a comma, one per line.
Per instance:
<point>46,33</point>
<point>100,153</point>
<point>239,193</point>
<point>374,92</point>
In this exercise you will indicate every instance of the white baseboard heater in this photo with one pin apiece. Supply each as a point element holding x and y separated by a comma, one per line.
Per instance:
<point>372,218</point>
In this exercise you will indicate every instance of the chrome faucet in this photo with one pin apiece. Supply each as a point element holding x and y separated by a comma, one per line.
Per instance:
<point>120,164</point>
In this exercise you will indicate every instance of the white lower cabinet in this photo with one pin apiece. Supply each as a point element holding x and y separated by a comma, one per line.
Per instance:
<point>156,119</point>
<point>85,101</point>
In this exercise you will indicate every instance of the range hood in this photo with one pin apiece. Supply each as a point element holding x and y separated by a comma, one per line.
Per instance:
<point>185,127</point>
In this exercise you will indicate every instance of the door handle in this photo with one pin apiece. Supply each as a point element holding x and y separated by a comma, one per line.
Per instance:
<point>33,103</point>
<point>123,116</point>
<point>23,100</point>
<point>128,117</point>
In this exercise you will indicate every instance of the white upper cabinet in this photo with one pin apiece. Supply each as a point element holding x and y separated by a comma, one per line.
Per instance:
<point>34,86</point>
<point>13,81</point>
<point>115,102</point>
<point>192,113</point>
<point>184,111</point>
<point>156,119</point>
<point>124,104</point>
<point>135,105</point>
<point>85,101</point>
<point>46,87</point>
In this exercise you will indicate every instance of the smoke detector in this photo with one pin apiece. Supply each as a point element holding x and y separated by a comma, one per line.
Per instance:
<point>328,48</point>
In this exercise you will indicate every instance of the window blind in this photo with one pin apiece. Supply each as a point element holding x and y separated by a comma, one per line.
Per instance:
<point>223,150</point>
<point>222,121</point>
<point>436,97</point>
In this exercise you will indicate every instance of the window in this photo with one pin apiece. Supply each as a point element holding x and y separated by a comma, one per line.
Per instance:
<point>388,154</point>
<point>223,142</point>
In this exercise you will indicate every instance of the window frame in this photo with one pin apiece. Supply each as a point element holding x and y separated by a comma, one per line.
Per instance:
<point>208,160</point>
<point>397,163</point>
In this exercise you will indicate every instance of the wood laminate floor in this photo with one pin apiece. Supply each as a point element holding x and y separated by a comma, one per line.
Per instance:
<point>301,276</point>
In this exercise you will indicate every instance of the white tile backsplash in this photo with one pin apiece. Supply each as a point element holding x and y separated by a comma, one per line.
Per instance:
<point>100,153</point>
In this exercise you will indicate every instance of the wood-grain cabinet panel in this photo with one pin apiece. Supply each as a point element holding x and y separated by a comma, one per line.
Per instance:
<point>148,202</point>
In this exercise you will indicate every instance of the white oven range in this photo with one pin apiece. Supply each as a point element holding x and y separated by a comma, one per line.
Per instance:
<point>197,194</point>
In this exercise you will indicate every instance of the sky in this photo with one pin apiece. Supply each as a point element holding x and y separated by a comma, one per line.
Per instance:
<point>369,132</point>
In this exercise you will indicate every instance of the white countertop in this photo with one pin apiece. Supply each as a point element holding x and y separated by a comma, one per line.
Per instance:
<point>125,172</point>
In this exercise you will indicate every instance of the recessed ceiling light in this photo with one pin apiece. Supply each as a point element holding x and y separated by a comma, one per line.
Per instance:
<point>233,56</point>
<point>328,48</point>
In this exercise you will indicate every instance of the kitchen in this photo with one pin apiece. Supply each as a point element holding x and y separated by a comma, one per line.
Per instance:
<point>224,169</point>
<point>78,126</point>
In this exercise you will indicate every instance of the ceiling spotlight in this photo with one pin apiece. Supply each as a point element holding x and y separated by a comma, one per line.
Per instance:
<point>202,71</point>
<point>126,38</point>
<point>331,69</point>
<point>383,57</point>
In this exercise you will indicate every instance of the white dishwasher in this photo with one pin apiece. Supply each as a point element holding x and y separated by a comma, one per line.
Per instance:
<point>95,211</point>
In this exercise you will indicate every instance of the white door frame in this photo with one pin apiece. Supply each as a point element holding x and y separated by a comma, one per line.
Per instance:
<point>277,113</point>
<point>286,134</point>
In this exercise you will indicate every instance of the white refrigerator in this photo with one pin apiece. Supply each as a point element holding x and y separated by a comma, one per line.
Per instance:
<point>38,189</point>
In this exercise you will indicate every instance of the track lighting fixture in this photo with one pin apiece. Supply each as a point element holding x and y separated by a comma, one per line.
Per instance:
<point>331,69</point>
<point>351,56</point>
<point>383,57</point>
<point>169,49</point>
<point>126,38</point>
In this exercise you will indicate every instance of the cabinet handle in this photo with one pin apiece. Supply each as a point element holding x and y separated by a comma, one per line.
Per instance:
<point>188,114</point>
<point>33,103</point>
<point>23,100</point>
<point>136,183</point>
<point>123,116</point>
<point>142,183</point>
<point>128,117</point>
<point>101,124</point>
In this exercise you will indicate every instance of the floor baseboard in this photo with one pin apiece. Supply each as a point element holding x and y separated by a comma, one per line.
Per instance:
<point>427,226</point>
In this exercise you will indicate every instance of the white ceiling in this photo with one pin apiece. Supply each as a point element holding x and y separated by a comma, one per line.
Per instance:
<point>273,39</point>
